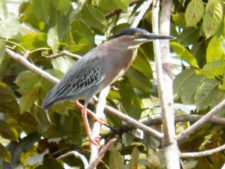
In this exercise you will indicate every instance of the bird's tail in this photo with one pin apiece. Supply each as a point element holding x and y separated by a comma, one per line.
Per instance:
<point>48,101</point>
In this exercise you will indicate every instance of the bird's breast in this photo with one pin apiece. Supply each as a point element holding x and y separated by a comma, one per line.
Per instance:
<point>120,64</point>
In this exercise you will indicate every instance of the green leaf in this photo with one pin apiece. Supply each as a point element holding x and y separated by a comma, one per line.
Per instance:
<point>8,103</point>
<point>93,17</point>
<point>10,27</point>
<point>122,4</point>
<point>213,69</point>
<point>3,9</point>
<point>26,80</point>
<point>62,5</point>
<point>205,93</point>
<point>194,12</point>
<point>62,63</point>
<point>7,131</point>
<point>116,160</point>
<point>42,9</point>
<point>185,86</point>
<point>53,39</point>
<point>134,158</point>
<point>36,40</point>
<point>5,154</point>
<point>214,51</point>
<point>129,99</point>
<point>184,54</point>
<point>213,17</point>
<point>139,81</point>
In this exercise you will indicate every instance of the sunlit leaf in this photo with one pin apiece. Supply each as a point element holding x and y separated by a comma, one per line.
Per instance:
<point>36,40</point>
<point>53,39</point>
<point>212,18</point>
<point>194,12</point>
<point>3,9</point>
<point>184,54</point>
<point>213,69</point>
<point>10,27</point>
<point>214,51</point>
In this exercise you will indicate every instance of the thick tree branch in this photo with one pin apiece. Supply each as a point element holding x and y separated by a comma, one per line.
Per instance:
<point>186,133</point>
<point>97,126</point>
<point>165,84</point>
<point>203,153</point>
<point>49,77</point>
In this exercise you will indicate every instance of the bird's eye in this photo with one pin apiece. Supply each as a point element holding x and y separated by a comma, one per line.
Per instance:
<point>137,35</point>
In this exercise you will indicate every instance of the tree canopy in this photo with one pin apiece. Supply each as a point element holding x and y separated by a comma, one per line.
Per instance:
<point>50,35</point>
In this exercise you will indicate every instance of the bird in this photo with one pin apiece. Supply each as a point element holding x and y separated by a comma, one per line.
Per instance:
<point>99,68</point>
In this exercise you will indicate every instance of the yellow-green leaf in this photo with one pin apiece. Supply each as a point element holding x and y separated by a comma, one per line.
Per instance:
<point>194,12</point>
<point>213,17</point>
<point>184,54</point>
<point>213,69</point>
<point>214,51</point>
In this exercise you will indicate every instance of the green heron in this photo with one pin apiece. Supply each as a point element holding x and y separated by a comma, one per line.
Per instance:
<point>99,68</point>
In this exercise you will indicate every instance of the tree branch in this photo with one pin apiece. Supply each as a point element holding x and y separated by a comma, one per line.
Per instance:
<point>186,133</point>
<point>64,53</point>
<point>76,154</point>
<point>101,154</point>
<point>97,126</point>
<point>143,10</point>
<point>203,153</point>
<point>158,121</point>
<point>165,83</point>
<point>49,77</point>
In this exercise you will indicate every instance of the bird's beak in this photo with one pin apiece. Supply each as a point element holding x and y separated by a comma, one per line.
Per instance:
<point>151,36</point>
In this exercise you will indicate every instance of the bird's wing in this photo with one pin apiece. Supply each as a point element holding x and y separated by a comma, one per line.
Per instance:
<point>83,75</point>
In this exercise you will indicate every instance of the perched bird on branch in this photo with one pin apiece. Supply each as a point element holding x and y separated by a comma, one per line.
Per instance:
<point>99,68</point>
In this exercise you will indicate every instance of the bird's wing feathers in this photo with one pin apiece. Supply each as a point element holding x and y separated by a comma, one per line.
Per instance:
<point>83,75</point>
<point>86,76</point>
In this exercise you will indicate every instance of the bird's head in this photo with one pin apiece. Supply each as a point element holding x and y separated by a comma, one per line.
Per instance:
<point>138,36</point>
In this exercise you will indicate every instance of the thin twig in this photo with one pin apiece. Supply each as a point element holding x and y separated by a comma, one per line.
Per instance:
<point>109,109</point>
<point>102,153</point>
<point>186,133</point>
<point>76,154</point>
<point>64,53</point>
<point>144,7</point>
<point>203,153</point>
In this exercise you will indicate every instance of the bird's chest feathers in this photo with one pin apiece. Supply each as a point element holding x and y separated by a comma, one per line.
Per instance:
<point>125,63</point>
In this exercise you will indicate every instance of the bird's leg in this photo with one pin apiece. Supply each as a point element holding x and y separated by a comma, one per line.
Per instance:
<point>81,107</point>
<point>87,127</point>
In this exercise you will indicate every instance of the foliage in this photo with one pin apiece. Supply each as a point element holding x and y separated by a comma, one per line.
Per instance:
<point>32,138</point>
